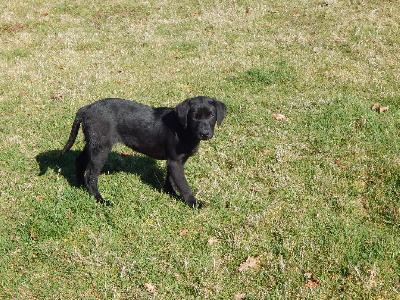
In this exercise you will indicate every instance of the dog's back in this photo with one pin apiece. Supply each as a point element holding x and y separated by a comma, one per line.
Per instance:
<point>113,120</point>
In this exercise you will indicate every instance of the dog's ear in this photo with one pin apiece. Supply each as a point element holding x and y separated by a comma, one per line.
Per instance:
<point>182,110</point>
<point>221,111</point>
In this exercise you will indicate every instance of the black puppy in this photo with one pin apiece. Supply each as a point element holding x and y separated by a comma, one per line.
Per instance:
<point>172,134</point>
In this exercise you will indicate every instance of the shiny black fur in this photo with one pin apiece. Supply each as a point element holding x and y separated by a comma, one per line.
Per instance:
<point>171,134</point>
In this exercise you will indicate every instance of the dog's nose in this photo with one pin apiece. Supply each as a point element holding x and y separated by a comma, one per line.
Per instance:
<point>204,135</point>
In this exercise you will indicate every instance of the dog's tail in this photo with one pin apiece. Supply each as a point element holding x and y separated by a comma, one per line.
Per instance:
<point>74,132</point>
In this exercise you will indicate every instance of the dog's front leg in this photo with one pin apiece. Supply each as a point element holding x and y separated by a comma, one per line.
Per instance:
<point>170,185</point>
<point>176,173</point>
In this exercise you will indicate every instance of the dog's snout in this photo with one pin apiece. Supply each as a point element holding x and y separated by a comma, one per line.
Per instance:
<point>205,134</point>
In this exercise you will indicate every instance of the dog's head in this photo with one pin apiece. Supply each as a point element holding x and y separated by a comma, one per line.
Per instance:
<point>200,115</point>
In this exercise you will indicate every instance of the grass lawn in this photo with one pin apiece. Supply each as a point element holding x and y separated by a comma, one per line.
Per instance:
<point>305,207</point>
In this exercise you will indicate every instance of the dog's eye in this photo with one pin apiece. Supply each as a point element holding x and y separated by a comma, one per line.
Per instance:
<point>211,116</point>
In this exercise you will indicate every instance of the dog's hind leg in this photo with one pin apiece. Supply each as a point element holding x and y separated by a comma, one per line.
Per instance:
<point>97,159</point>
<point>81,162</point>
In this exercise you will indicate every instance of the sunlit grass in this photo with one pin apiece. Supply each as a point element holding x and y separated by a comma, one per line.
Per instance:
<point>315,193</point>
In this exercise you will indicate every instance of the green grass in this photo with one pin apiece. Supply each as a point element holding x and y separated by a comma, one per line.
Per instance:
<point>271,188</point>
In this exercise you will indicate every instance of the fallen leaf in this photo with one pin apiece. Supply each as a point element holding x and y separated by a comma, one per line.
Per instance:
<point>33,236</point>
<point>97,15</point>
<point>239,296</point>
<point>266,151</point>
<point>338,162</point>
<point>279,117</point>
<point>57,96</point>
<point>383,108</point>
<point>251,262</point>
<point>183,231</point>
<point>120,80</point>
<point>375,106</point>
<point>14,237</point>
<point>249,10</point>
<point>308,275</point>
<point>126,154</point>
<point>149,287</point>
<point>296,15</point>
<point>311,284</point>
<point>212,241</point>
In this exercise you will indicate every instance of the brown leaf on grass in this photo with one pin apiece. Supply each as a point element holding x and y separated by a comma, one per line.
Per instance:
<point>149,287</point>
<point>278,117</point>
<point>126,154</point>
<point>57,96</point>
<point>251,262</point>
<point>239,296</point>
<point>311,284</point>
<point>183,232</point>
<point>383,109</point>
<point>120,80</point>
<point>338,162</point>
<point>266,151</point>
<point>212,241</point>
<point>375,106</point>
<point>13,29</point>
<point>14,237</point>
<point>308,275</point>
<point>33,236</point>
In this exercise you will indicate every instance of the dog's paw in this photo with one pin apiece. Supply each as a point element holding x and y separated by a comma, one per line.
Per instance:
<point>199,204</point>
<point>108,203</point>
<point>104,202</point>
<point>194,203</point>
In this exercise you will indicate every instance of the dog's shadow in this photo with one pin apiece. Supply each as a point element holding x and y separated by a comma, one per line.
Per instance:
<point>142,166</point>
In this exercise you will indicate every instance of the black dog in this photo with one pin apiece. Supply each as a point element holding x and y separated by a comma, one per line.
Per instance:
<point>171,134</point>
